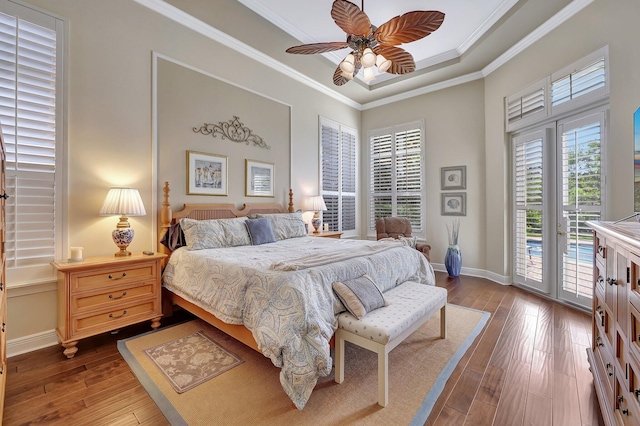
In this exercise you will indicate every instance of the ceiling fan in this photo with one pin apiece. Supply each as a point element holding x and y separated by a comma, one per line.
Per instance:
<point>373,46</point>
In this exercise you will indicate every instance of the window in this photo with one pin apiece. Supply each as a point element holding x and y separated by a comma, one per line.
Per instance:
<point>583,82</point>
<point>30,57</point>
<point>338,157</point>
<point>396,158</point>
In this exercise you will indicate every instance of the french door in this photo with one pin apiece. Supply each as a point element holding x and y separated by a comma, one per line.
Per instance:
<point>557,186</point>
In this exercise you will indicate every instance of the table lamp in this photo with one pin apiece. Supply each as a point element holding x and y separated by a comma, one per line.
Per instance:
<point>316,204</point>
<point>124,202</point>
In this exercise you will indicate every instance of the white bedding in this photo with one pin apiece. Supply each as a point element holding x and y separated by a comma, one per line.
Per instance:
<point>291,314</point>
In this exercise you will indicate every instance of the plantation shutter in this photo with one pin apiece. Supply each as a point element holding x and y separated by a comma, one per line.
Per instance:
<point>529,202</point>
<point>582,82</point>
<point>338,151</point>
<point>526,106</point>
<point>29,56</point>
<point>396,175</point>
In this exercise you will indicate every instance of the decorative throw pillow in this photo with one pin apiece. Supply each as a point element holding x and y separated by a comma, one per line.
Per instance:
<point>286,225</point>
<point>260,231</point>
<point>214,233</point>
<point>360,295</point>
<point>410,241</point>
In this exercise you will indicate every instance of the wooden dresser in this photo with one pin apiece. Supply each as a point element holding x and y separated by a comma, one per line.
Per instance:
<point>101,294</point>
<point>614,354</point>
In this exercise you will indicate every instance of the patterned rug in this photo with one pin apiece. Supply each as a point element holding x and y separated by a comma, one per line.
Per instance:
<point>251,392</point>
<point>191,360</point>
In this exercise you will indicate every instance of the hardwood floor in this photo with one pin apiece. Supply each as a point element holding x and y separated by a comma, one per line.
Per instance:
<point>528,366</point>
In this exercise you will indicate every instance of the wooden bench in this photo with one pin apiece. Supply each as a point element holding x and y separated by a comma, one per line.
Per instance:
<point>410,305</point>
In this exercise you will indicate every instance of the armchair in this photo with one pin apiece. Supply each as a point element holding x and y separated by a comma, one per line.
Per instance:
<point>394,227</point>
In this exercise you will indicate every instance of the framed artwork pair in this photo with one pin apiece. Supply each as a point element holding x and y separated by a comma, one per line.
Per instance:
<point>207,174</point>
<point>453,203</point>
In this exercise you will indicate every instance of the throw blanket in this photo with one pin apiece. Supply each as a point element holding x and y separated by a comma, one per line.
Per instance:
<point>292,314</point>
<point>338,255</point>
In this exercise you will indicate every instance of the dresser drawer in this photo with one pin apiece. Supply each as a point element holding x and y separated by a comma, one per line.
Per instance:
<point>605,370</point>
<point>111,319</point>
<point>111,299</point>
<point>107,277</point>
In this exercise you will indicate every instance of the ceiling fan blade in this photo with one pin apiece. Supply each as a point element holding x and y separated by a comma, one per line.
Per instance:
<point>350,18</point>
<point>401,60</point>
<point>310,49</point>
<point>409,27</point>
<point>339,79</point>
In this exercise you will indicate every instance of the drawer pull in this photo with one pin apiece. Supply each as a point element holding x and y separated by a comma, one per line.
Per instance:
<point>599,341</point>
<point>612,281</point>
<point>124,274</point>
<point>118,316</point>
<point>600,279</point>
<point>600,249</point>
<point>111,296</point>
<point>607,367</point>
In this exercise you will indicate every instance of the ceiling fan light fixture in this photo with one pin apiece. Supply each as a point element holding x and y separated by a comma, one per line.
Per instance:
<point>347,75</point>
<point>348,64</point>
<point>382,63</point>
<point>368,58</point>
<point>369,74</point>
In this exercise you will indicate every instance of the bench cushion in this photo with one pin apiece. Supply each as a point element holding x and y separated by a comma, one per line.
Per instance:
<point>407,303</point>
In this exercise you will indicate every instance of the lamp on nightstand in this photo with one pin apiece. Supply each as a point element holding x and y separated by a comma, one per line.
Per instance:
<point>124,202</point>
<point>316,204</point>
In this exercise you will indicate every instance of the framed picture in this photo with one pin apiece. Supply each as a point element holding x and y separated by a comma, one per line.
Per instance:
<point>259,179</point>
<point>453,204</point>
<point>206,174</point>
<point>453,178</point>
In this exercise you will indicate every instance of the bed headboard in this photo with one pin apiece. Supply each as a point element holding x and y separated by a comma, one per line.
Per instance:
<point>212,211</point>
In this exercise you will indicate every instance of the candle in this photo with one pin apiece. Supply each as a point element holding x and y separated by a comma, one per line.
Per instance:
<point>326,227</point>
<point>76,253</point>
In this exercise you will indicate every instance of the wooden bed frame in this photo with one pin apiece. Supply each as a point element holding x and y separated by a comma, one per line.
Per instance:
<point>203,212</point>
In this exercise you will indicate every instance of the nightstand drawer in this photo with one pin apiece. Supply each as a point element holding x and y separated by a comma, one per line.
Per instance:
<point>106,277</point>
<point>112,319</point>
<point>111,299</point>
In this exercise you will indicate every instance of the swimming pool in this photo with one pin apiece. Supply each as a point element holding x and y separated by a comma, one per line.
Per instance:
<point>585,250</point>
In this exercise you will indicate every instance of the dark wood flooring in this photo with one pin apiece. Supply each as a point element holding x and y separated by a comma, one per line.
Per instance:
<point>528,367</point>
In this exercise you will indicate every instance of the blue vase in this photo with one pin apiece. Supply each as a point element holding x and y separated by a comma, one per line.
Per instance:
<point>453,260</point>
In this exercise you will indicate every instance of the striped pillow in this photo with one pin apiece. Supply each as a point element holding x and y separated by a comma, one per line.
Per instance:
<point>360,295</point>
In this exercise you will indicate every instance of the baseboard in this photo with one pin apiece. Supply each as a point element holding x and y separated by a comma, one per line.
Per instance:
<point>480,273</point>
<point>30,343</point>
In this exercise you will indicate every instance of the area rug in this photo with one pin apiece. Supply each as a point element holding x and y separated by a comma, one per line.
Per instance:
<point>250,393</point>
<point>189,361</point>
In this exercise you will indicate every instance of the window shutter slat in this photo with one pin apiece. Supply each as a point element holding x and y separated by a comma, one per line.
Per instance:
<point>28,87</point>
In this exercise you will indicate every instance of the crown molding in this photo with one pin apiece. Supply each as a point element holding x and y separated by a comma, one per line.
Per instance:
<point>180,17</point>
<point>551,24</point>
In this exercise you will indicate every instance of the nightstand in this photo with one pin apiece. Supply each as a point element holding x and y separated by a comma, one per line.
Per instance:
<point>326,234</point>
<point>105,293</point>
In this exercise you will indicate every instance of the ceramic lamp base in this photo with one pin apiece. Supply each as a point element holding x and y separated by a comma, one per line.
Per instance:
<point>122,237</point>
<point>317,223</point>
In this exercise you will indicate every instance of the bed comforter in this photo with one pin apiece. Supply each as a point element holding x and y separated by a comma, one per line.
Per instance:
<point>292,314</point>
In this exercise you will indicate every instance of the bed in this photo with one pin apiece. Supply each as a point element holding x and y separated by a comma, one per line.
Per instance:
<point>277,296</point>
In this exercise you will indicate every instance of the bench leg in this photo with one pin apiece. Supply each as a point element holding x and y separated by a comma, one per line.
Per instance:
<point>443,322</point>
<point>383,375</point>
<point>339,351</point>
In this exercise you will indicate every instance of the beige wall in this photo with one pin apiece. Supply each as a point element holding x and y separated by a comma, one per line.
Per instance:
<point>109,133</point>
<point>454,135</point>
<point>603,22</point>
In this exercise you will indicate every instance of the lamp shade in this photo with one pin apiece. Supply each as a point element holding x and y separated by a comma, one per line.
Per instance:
<point>123,201</point>
<point>316,203</point>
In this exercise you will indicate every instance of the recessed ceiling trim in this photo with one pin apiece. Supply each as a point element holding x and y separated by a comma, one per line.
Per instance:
<point>423,90</point>
<point>495,16</point>
<point>183,18</point>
